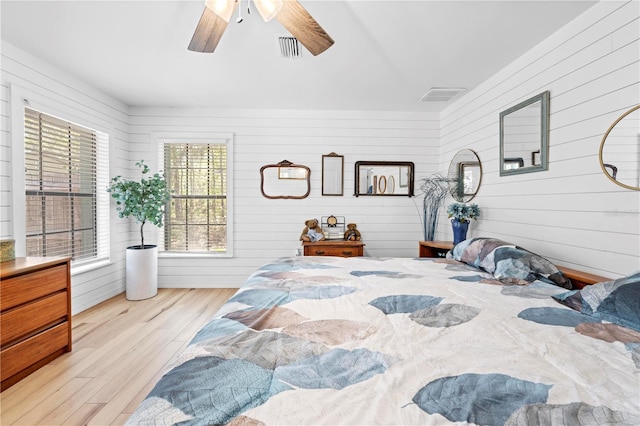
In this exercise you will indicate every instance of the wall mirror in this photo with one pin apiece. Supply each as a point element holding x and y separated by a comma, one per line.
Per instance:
<point>620,150</point>
<point>465,175</point>
<point>285,180</point>
<point>332,174</point>
<point>524,136</point>
<point>387,178</point>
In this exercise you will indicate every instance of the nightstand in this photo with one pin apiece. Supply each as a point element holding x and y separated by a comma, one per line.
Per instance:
<point>434,248</point>
<point>334,248</point>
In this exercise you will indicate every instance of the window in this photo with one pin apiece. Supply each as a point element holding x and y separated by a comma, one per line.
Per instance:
<point>61,181</point>
<point>197,213</point>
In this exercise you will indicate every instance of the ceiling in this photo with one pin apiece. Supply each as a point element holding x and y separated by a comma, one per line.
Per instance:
<point>386,55</point>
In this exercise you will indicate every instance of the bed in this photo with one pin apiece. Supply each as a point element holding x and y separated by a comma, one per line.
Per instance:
<point>415,341</point>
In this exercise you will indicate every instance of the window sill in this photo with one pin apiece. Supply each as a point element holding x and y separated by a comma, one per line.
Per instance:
<point>89,266</point>
<point>177,255</point>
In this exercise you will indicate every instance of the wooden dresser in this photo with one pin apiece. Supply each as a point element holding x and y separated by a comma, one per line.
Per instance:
<point>334,248</point>
<point>35,314</point>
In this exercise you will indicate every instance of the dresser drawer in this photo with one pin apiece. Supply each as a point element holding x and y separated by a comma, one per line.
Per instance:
<point>23,288</point>
<point>33,317</point>
<point>23,354</point>
<point>334,248</point>
<point>333,251</point>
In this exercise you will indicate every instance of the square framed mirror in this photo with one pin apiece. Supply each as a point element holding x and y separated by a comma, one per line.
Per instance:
<point>524,136</point>
<point>332,174</point>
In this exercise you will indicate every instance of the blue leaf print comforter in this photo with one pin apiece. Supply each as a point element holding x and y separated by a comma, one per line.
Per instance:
<point>360,341</point>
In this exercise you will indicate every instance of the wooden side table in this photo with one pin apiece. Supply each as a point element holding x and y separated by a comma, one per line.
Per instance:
<point>334,248</point>
<point>434,248</point>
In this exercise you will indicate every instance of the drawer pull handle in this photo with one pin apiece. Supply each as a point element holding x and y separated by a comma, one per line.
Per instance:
<point>320,253</point>
<point>347,253</point>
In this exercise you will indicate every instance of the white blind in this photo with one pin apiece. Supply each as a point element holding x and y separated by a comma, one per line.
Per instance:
<point>60,187</point>
<point>196,216</point>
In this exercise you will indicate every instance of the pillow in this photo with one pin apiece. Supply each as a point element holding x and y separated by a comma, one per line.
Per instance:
<point>616,301</point>
<point>507,262</point>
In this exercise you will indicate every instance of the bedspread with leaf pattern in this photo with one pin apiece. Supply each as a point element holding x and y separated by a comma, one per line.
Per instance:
<point>390,341</point>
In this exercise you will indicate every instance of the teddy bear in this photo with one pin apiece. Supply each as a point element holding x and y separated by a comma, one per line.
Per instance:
<point>352,233</point>
<point>312,231</point>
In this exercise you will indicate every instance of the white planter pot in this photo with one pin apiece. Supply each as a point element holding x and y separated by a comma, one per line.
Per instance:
<point>142,272</point>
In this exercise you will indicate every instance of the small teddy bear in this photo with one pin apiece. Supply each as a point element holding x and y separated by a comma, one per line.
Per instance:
<point>352,234</point>
<point>312,232</point>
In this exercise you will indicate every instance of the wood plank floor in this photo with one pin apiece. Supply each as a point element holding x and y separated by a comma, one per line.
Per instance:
<point>120,350</point>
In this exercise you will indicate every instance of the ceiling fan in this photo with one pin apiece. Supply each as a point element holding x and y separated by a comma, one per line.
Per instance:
<point>289,13</point>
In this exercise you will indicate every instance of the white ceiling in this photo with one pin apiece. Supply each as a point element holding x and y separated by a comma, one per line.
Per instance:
<point>386,55</point>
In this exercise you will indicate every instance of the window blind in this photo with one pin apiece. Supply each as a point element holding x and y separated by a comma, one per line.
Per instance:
<point>60,186</point>
<point>196,216</point>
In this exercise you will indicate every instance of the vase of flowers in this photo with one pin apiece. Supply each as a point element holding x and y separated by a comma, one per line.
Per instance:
<point>461,215</point>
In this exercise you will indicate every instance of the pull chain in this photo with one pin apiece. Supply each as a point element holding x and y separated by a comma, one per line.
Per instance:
<point>240,19</point>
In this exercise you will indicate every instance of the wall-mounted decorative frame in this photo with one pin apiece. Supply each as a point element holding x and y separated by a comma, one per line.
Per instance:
<point>332,174</point>
<point>524,130</point>
<point>285,180</point>
<point>379,178</point>
<point>619,153</point>
<point>465,175</point>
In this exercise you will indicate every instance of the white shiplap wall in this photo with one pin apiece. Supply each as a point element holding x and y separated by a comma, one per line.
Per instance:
<point>571,213</point>
<point>266,228</point>
<point>24,76</point>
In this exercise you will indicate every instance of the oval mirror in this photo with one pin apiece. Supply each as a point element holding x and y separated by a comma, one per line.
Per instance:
<point>465,175</point>
<point>620,150</point>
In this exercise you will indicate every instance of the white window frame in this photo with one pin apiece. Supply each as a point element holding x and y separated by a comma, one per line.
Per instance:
<point>21,98</point>
<point>203,138</point>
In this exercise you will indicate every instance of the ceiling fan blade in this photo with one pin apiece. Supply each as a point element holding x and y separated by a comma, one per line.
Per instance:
<point>208,32</point>
<point>302,26</point>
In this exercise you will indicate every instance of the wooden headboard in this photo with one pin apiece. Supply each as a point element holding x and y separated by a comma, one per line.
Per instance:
<point>580,279</point>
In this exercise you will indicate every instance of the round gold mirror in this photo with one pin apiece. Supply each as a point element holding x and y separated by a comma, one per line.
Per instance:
<point>465,175</point>
<point>620,150</point>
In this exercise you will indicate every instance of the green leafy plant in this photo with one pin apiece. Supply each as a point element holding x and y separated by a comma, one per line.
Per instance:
<point>145,199</point>
<point>463,212</point>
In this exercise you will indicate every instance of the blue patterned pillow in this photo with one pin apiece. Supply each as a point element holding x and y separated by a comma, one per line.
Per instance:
<point>616,301</point>
<point>507,262</point>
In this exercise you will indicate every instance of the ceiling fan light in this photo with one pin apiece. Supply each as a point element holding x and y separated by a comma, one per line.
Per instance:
<point>268,9</point>
<point>222,8</point>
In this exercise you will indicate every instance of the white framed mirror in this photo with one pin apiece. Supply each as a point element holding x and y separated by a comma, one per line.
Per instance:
<point>332,174</point>
<point>524,136</point>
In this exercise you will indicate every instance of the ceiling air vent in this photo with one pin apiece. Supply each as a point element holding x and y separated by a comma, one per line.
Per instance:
<point>289,47</point>
<point>441,94</point>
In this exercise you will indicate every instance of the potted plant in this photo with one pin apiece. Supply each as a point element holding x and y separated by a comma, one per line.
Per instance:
<point>144,200</point>
<point>462,215</point>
